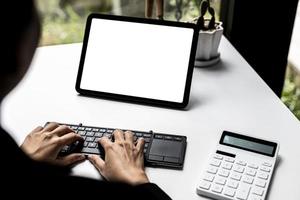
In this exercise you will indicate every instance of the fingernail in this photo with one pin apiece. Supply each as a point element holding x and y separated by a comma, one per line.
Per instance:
<point>81,157</point>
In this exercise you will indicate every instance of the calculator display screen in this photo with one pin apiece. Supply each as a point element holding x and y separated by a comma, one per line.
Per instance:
<point>248,143</point>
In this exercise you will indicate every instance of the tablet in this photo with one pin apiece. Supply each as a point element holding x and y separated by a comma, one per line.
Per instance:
<point>137,60</point>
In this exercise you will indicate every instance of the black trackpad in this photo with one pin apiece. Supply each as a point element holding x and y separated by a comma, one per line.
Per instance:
<point>167,150</point>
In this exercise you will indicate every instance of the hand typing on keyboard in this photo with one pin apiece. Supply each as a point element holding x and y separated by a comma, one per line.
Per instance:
<point>124,160</point>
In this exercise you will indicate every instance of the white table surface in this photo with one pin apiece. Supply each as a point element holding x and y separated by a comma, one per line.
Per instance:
<point>227,96</point>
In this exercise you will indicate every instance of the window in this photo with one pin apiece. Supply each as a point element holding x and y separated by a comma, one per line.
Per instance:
<point>64,20</point>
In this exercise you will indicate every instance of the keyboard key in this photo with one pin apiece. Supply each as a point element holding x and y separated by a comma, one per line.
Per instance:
<point>212,170</point>
<point>90,133</point>
<point>254,166</point>
<point>223,173</point>
<point>102,130</point>
<point>233,184</point>
<point>236,176</point>
<point>228,159</point>
<point>260,183</point>
<point>258,191</point>
<point>229,192</point>
<point>265,169</point>
<point>167,137</point>
<point>240,162</point>
<point>263,175</point>
<point>248,179</point>
<point>254,197</point>
<point>95,129</point>
<point>82,133</point>
<point>98,134</point>
<point>85,144</point>
<point>90,150</point>
<point>238,168</point>
<point>227,166</point>
<point>158,136</point>
<point>219,157</point>
<point>178,138</point>
<point>92,144</point>
<point>243,191</point>
<point>74,128</point>
<point>251,172</point>
<point>146,135</point>
<point>109,130</point>
<point>88,128</point>
<point>90,139</point>
<point>216,163</point>
<point>220,181</point>
<point>267,164</point>
<point>217,188</point>
<point>81,128</point>
<point>204,185</point>
<point>209,177</point>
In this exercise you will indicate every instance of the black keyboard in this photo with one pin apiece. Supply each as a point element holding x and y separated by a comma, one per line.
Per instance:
<point>161,150</point>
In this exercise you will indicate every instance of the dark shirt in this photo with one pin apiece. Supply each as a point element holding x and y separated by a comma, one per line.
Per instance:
<point>23,177</point>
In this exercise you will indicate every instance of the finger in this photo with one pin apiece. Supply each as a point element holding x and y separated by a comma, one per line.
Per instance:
<point>69,138</point>
<point>71,159</point>
<point>140,145</point>
<point>129,136</point>
<point>118,135</point>
<point>97,162</point>
<point>37,129</point>
<point>61,130</point>
<point>51,126</point>
<point>105,142</point>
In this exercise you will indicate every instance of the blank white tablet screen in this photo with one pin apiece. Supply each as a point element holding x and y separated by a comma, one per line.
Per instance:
<point>136,59</point>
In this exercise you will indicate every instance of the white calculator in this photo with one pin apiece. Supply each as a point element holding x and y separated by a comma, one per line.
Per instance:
<point>240,168</point>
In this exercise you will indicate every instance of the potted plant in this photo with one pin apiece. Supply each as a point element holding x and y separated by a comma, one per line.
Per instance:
<point>210,34</point>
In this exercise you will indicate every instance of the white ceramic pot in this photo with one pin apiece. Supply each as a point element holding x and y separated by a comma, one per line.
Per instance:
<point>208,45</point>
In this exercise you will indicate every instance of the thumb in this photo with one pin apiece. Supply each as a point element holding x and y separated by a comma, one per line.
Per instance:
<point>97,162</point>
<point>70,159</point>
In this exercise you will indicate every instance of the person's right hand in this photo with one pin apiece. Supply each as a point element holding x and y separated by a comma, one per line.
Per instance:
<point>124,161</point>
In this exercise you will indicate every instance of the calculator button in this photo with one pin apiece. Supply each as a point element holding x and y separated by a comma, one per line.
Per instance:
<point>238,168</point>
<point>220,180</point>
<point>209,177</point>
<point>243,191</point>
<point>263,175</point>
<point>204,185</point>
<point>217,188</point>
<point>216,163</point>
<point>229,192</point>
<point>212,170</point>
<point>267,164</point>
<point>260,183</point>
<point>251,172</point>
<point>231,160</point>
<point>254,197</point>
<point>265,169</point>
<point>235,176</point>
<point>248,179</point>
<point>216,156</point>
<point>227,166</point>
<point>240,162</point>
<point>232,184</point>
<point>223,173</point>
<point>258,191</point>
<point>254,166</point>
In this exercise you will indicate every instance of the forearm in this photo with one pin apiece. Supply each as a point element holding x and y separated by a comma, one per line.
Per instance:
<point>151,191</point>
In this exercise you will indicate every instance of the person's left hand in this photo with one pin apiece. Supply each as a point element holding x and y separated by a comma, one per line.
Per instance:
<point>44,144</point>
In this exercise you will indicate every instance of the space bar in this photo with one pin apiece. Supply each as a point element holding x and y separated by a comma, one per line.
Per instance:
<point>91,150</point>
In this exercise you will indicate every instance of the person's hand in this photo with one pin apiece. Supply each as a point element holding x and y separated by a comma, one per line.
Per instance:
<point>44,144</point>
<point>124,160</point>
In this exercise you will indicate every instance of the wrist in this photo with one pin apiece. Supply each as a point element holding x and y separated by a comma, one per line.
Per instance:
<point>138,179</point>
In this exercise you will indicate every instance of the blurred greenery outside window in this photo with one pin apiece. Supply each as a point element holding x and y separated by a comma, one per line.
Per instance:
<point>64,22</point>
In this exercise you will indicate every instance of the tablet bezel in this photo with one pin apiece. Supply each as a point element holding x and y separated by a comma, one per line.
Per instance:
<point>134,99</point>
